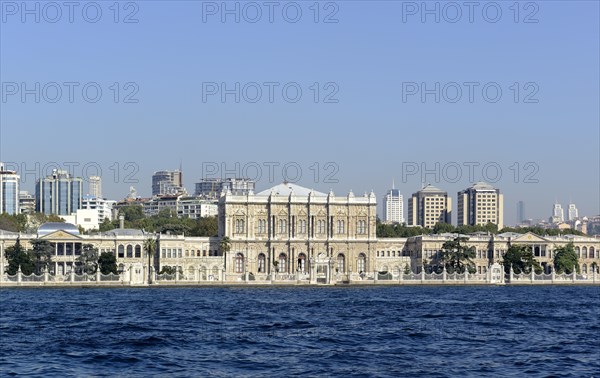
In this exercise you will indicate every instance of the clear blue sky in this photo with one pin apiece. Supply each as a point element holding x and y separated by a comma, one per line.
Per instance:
<point>373,49</point>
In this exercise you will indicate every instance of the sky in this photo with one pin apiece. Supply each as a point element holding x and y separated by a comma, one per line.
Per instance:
<point>346,95</point>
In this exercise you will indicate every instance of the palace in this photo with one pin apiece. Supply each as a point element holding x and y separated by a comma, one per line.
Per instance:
<point>288,232</point>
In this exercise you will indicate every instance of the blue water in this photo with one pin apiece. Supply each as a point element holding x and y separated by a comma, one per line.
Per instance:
<point>375,331</point>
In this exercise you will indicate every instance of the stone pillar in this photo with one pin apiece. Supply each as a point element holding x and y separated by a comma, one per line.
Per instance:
<point>510,275</point>
<point>444,274</point>
<point>19,275</point>
<point>98,275</point>
<point>401,276</point>
<point>46,278</point>
<point>532,278</point>
<point>574,273</point>
<point>422,274</point>
<point>197,274</point>
<point>553,275</point>
<point>467,275</point>
<point>327,274</point>
<point>176,274</point>
<point>489,274</point>
<point>152,275</point>
<point>72,275</point>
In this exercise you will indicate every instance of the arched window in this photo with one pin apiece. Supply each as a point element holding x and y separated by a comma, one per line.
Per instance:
<point>282,261</point>
<point>302,263</point>
<point>129,251</point>
<point>361,265</point>
<point>361,227</point>
<point>121,251</point>
<point>341,263</point>
<point>261,263</point>
<point>239,263</point>
<point>578,251</point>
<point>282,226</point>
<point>303,227</point>
<point>121,268</point>
<point>138,251</point>
<point>584,253</point>
<point>584,268</point>
<point>262,226</point>
<point>320,227</point>
<point>592,253</point>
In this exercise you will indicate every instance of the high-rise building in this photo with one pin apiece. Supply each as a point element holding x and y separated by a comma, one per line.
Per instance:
<point>393,206</point>
<point>520,212</point>
<point>9,191</point>
<point>429,206</point>
<point>167,183</point>
<point>104,207</point>
<point>95,186</point>
<point>59,193</point>
<point>212,187</point>
<point>479,205</point>
<point>573,213</point>
<point>558,214</point>
<point>26,202</point>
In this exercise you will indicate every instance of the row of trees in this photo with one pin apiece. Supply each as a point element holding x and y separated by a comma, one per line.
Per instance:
<point>39,258</point>
<point>398,230</point>
<point>457,257</point>
<point>166,221</point>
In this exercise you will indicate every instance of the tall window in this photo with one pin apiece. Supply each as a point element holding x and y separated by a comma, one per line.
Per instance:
<point>282,260</point>
<point>121,251</point>
<point>138,251</point>
<point>282,226</point>
<point>302,263</point>
<point>239,263</point>
<point>361,265</point>
<point>261,263</point>
<point>262,226</point>
<point>362,227</point>
<point>321,227</point>
<point>340,227</point>
<point>239,226</point>
<point>341,263</point>
<point>129,251</point>
<point>302,227</point>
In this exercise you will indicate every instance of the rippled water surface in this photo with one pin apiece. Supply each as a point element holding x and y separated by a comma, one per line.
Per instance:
<point>318,331</point>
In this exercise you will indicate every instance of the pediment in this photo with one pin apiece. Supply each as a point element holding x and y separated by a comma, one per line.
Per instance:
<point>282,213</point>
<point>60,235</point>
<point>240,212</point>
<point>529,237</point>
<point>322,213</point>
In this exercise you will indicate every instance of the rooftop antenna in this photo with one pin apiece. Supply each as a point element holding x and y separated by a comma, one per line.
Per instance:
<point>393,184</point>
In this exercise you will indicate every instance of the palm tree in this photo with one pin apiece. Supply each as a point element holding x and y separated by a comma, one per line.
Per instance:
<point>150,247</point>
<point>225,246</point>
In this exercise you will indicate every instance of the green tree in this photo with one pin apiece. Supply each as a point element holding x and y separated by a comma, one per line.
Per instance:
<point>87,262</point>
<point>565,259</point>
<point>205,226</point>
<point>457,257</point>
<point>17,256</point>
<point>106,225</point>
<point>132,213</point>
<point>225,245</point>
<point>442,227</point>
<point>521,259</point>
<point>150,248</point>
<point>107,263</point>
<point>41,255</point>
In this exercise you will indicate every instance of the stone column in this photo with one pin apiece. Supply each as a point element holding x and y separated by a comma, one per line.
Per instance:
<point>574,273</point>
<point>510,274</point>
<point>532,274</point>
<point>19,275</point>
<point>553,275</point>
<point>466,275</point>
<point>422,274</point>
<point>444,274</point>
<point>176,273</point>
<point>46,278</point>
<point>72,275</point>
<point>98,275</point>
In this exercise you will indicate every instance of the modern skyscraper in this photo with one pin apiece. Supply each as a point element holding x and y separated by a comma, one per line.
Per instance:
<point>479,205</point>
<point>59,193</point>
<point>167,182</point>
<point>393,206</point>
<point>520,212</point>
<point>26,202</point>
<point>573,213</point>
<point>558,214</point>
<point>95,186</point>
<point>9,191</point>
<point>429,206</point>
